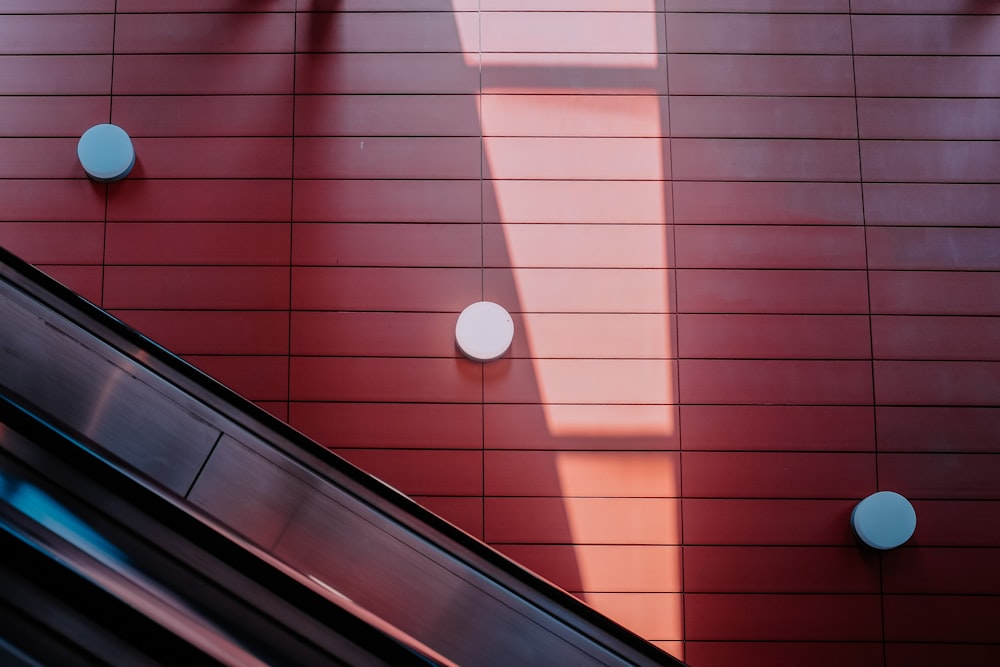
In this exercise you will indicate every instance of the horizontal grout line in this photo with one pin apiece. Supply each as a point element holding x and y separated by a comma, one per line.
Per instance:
<point>475,93</point>
<point>520,313</point>
<point>540,137</point>
<point>347,311</point>
<point>443,357</point>
<point>569,545</point>
<point>682,223</point>
<point>304,54</point>
<point>314,401</point>
<point>830,360</point>
<point>659,451</point>
<point>875,592</point>
<point>853,499</point>
<point>654,12</point>
<point>573,544</point>
<point>557,497</point>
<point>470,180</point>
<point>836,641</point>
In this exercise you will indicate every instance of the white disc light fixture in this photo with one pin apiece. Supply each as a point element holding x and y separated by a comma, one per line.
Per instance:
<point>884,520</point>
<point>106,153</point>
<point>484,331</point>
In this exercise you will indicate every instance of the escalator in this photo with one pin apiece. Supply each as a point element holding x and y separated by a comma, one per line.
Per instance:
<point>222,536</point>
<point>99,569</point>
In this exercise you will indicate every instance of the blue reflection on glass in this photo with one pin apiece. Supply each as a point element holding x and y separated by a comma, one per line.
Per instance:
<point>35,503</point>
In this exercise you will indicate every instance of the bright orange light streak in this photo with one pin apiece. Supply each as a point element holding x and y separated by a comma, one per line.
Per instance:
<point>635,523</point>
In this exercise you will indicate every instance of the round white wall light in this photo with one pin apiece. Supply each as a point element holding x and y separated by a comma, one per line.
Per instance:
<point>884,520</point>
<point>106,153</point>
<point>484,331</point>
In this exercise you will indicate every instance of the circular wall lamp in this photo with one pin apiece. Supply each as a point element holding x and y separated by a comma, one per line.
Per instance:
<point>106,153</point>
<point>884,520</point>
<point>484,331</point>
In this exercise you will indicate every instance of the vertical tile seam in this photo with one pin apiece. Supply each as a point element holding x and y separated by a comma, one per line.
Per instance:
<point>674,328</point>
<point>871,339</point>
<point>291,215</point>
<point>482,262</point>
<point>864,226</point>
<point>107,187</point>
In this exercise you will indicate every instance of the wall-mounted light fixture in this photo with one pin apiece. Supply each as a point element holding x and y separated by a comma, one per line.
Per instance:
<point>106,153</point>
<point>884,520</point>
<point>484,331</point>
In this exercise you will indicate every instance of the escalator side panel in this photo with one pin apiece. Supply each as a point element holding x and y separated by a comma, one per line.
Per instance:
<point>96,563</point>
<point>463,619</point>
<point>104,401</point>
<point>223,491</point>
<point>378,566</point>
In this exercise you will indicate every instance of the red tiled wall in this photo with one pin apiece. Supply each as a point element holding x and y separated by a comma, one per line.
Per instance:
<point>750,249</point>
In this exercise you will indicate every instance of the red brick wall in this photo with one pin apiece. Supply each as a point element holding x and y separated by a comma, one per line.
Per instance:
<point>750,247</point>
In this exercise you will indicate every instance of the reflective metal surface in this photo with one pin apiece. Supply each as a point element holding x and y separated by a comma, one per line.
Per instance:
<point>99,393</point>
<point>341,529</point>
<point>115,571</point>
<point>261,516</point>
<point>383,568</point>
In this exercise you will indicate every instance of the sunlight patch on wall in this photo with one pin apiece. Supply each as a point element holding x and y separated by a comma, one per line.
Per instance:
<point>645,525</point>
<point>588,260</point>
<point>467,25</point>
<point>609,421</point>
<point>628,474</point>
